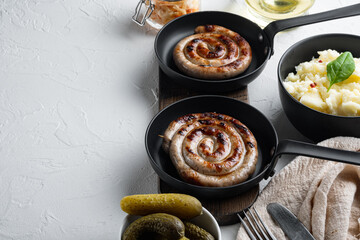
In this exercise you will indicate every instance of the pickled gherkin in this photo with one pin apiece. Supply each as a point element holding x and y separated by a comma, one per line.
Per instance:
<point>181,205</point>
<point>193,231</point>
<point>162,224</point>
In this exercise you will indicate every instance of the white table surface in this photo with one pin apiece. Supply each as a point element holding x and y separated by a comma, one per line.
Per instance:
<point>78,87</point>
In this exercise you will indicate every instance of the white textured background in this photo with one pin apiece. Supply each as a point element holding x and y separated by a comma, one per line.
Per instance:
<point>78,87</point>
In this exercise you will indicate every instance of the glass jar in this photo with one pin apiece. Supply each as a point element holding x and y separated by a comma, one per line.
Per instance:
<point>272,10</point>
<point>159,12</point>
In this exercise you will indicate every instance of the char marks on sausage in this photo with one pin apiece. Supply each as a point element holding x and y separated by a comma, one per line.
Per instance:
<point>213,149</point>
<point>213,52</point>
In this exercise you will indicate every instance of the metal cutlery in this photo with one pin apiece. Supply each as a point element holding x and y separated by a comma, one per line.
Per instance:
<point>255,226</point>
<point>288,222</point>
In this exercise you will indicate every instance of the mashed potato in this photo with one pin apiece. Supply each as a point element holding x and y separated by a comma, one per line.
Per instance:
<point>310,86</point>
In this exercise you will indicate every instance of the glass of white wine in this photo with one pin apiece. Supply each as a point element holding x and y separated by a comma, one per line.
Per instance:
<point>278,9</point>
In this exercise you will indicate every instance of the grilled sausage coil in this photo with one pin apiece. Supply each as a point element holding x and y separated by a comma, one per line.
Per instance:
<point>211,149</point>
<point>213,52</point>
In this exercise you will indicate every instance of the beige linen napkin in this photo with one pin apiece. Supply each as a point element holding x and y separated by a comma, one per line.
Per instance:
<point>324,195</point>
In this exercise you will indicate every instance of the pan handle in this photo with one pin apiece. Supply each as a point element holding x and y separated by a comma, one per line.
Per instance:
<point>311,150</point>
<point>274,27</point>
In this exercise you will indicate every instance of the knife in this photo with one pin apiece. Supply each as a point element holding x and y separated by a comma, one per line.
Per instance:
<point>288,222</point>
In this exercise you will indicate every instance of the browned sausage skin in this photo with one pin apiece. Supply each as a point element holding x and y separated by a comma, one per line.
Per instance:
<point>211,149</point>
<point>213,52</point>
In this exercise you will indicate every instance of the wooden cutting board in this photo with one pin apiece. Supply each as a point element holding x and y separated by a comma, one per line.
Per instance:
<point>224,210</point>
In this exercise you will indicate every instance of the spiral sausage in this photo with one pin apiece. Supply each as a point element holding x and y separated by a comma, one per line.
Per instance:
<point>211,149</point>
<point>214,52</point>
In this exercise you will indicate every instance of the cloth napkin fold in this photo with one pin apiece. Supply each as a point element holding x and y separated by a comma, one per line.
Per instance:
<point>324,195</point>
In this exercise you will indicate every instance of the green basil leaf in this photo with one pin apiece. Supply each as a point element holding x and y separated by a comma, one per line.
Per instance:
<point>340,69</point>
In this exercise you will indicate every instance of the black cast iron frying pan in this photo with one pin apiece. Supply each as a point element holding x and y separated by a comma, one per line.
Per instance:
<point>268,146</point>
<point>261,41</point>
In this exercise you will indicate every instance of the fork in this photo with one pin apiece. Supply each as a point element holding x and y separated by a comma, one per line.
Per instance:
<point>255,226</point>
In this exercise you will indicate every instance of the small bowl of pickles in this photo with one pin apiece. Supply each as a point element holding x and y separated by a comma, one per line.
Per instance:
<point>167,216</point>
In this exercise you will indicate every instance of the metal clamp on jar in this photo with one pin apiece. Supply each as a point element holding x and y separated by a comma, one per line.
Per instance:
<point>159,12</point>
